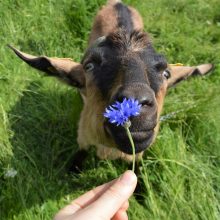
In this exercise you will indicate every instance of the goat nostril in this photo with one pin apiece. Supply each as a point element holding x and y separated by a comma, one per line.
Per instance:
<point>144,101</point>
<point>147,103</point>
<point>120,98</point>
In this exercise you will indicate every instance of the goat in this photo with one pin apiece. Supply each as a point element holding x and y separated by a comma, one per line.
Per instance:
<point>120,62</point>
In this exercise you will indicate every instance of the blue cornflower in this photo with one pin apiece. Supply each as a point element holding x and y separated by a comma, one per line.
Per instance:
<point>120,112</point>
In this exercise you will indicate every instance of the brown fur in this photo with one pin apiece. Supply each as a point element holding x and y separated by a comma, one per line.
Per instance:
<point>137,19</point>
<point>105,23</point>
<point>160,100</point>
<point>122,40</point>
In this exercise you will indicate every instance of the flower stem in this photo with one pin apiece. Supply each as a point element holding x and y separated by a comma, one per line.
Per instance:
<point>132,145</point>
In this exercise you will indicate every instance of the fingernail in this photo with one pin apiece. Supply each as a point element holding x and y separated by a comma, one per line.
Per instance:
<point>128,178</point>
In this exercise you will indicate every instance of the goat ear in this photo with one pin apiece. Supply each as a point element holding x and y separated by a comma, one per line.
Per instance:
<point>63,68</point>
<point>179,72</point>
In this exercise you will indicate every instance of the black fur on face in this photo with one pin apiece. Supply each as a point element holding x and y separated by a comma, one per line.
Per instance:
<point>132,59</point>
<point>124,17</point>
<point>106,64</point>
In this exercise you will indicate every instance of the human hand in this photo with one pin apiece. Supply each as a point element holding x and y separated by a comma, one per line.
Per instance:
<point>105,202</point>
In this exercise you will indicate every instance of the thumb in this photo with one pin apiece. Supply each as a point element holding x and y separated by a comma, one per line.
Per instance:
<point>111,201</point>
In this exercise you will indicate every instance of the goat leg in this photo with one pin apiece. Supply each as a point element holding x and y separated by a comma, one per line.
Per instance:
<point>78,160</point>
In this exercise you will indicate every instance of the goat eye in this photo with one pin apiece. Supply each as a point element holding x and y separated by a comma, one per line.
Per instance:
<point>89,67</point>
<point>166,74</point>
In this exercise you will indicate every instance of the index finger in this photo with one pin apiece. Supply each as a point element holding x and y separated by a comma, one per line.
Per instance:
<point>89,197</point>
<point>83,201</point>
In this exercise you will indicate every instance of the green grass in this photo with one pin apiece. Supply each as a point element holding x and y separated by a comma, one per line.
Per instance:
<point>39,115</point>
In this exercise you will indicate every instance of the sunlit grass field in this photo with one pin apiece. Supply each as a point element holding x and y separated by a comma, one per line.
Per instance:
<point>39,115</point>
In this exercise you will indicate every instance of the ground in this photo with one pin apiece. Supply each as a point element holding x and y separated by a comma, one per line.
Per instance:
<point>39,115</point>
